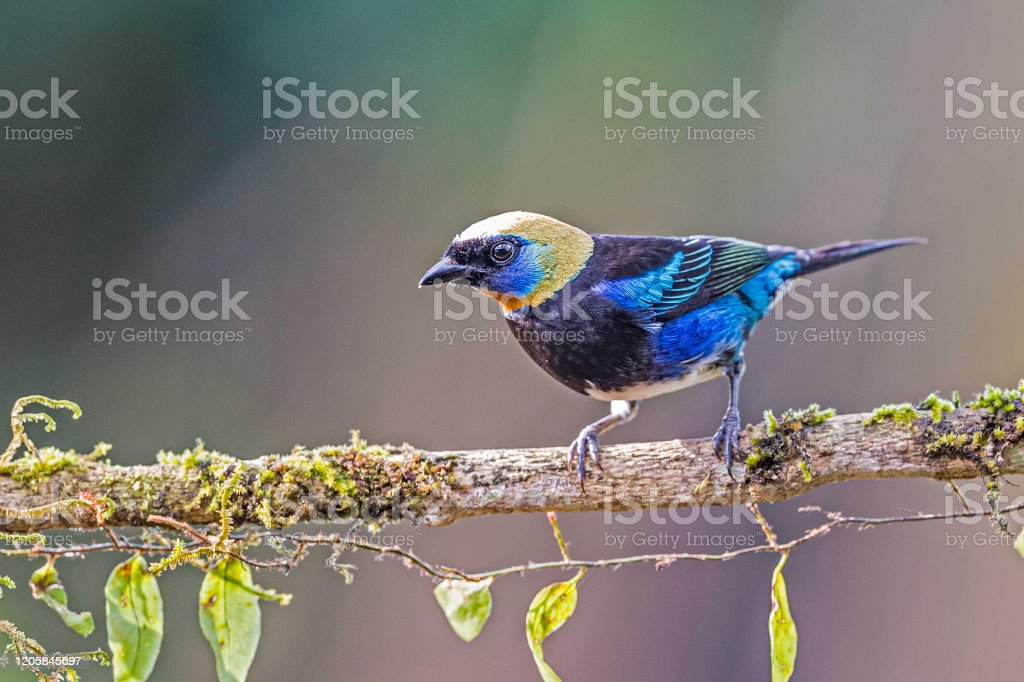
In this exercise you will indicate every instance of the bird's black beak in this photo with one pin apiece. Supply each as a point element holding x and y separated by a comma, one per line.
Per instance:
<point>446,271</point>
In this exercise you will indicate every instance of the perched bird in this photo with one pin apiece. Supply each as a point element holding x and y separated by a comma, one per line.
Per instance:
<point>623,318</point>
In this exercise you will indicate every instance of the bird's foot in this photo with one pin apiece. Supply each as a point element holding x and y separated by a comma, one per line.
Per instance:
<point>726,440</point>
<point>585,445</point>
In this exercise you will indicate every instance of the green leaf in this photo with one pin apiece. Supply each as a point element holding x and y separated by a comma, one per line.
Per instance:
<point>5,581</point>
<point>781,628</point>
<point>466,605</point>
<point>229,614</point>
<point>1019,543</point>
<point>135,620</point>
<point>548,611</point>
<point>46,585</point>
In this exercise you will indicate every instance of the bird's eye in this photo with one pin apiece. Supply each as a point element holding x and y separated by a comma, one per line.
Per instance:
<point>502,252</point>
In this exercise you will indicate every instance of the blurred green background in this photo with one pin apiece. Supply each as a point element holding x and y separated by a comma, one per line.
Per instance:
<point>168,181</point>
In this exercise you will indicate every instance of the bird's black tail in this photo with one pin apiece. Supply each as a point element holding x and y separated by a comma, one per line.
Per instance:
<point>823,257</point>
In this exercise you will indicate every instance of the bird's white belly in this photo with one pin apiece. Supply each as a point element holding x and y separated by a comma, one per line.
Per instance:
<point>644,391</point>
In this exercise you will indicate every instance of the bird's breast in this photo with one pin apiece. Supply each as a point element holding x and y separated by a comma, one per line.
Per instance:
<point>645,390</point>
<point>592,350</point>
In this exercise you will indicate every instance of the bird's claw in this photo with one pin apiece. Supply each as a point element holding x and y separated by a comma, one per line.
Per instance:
<point>726,440</point>
<point>585,445</point>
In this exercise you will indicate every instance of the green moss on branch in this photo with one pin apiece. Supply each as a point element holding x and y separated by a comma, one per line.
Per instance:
<point>781,441</point>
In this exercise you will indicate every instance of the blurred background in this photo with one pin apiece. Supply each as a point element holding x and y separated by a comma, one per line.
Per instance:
<point>168,180</point>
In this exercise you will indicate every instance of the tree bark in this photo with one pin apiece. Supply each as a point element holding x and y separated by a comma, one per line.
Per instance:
<point>438,488</point>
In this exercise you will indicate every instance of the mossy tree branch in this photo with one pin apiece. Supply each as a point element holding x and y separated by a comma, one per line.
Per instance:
<point>788,457</point>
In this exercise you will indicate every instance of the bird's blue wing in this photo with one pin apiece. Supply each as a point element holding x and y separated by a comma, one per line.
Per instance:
<point>694,272</point>
<point>665,287</point>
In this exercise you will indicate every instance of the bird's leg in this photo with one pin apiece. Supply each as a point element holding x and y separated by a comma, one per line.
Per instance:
<point>727,437</point>
<point>586,444</point>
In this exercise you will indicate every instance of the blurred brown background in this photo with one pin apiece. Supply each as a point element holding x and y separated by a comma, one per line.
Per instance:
<point>169,182</point>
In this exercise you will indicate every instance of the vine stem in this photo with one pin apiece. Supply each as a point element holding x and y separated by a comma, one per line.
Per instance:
<point>303,540</point>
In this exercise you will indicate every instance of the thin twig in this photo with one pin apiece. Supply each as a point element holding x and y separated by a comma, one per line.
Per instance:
<point>304,540</point>
<point>186,528</point>
<point>553,520</point>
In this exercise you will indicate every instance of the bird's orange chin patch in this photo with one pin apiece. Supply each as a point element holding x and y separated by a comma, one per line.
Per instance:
<point>508,302</point>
